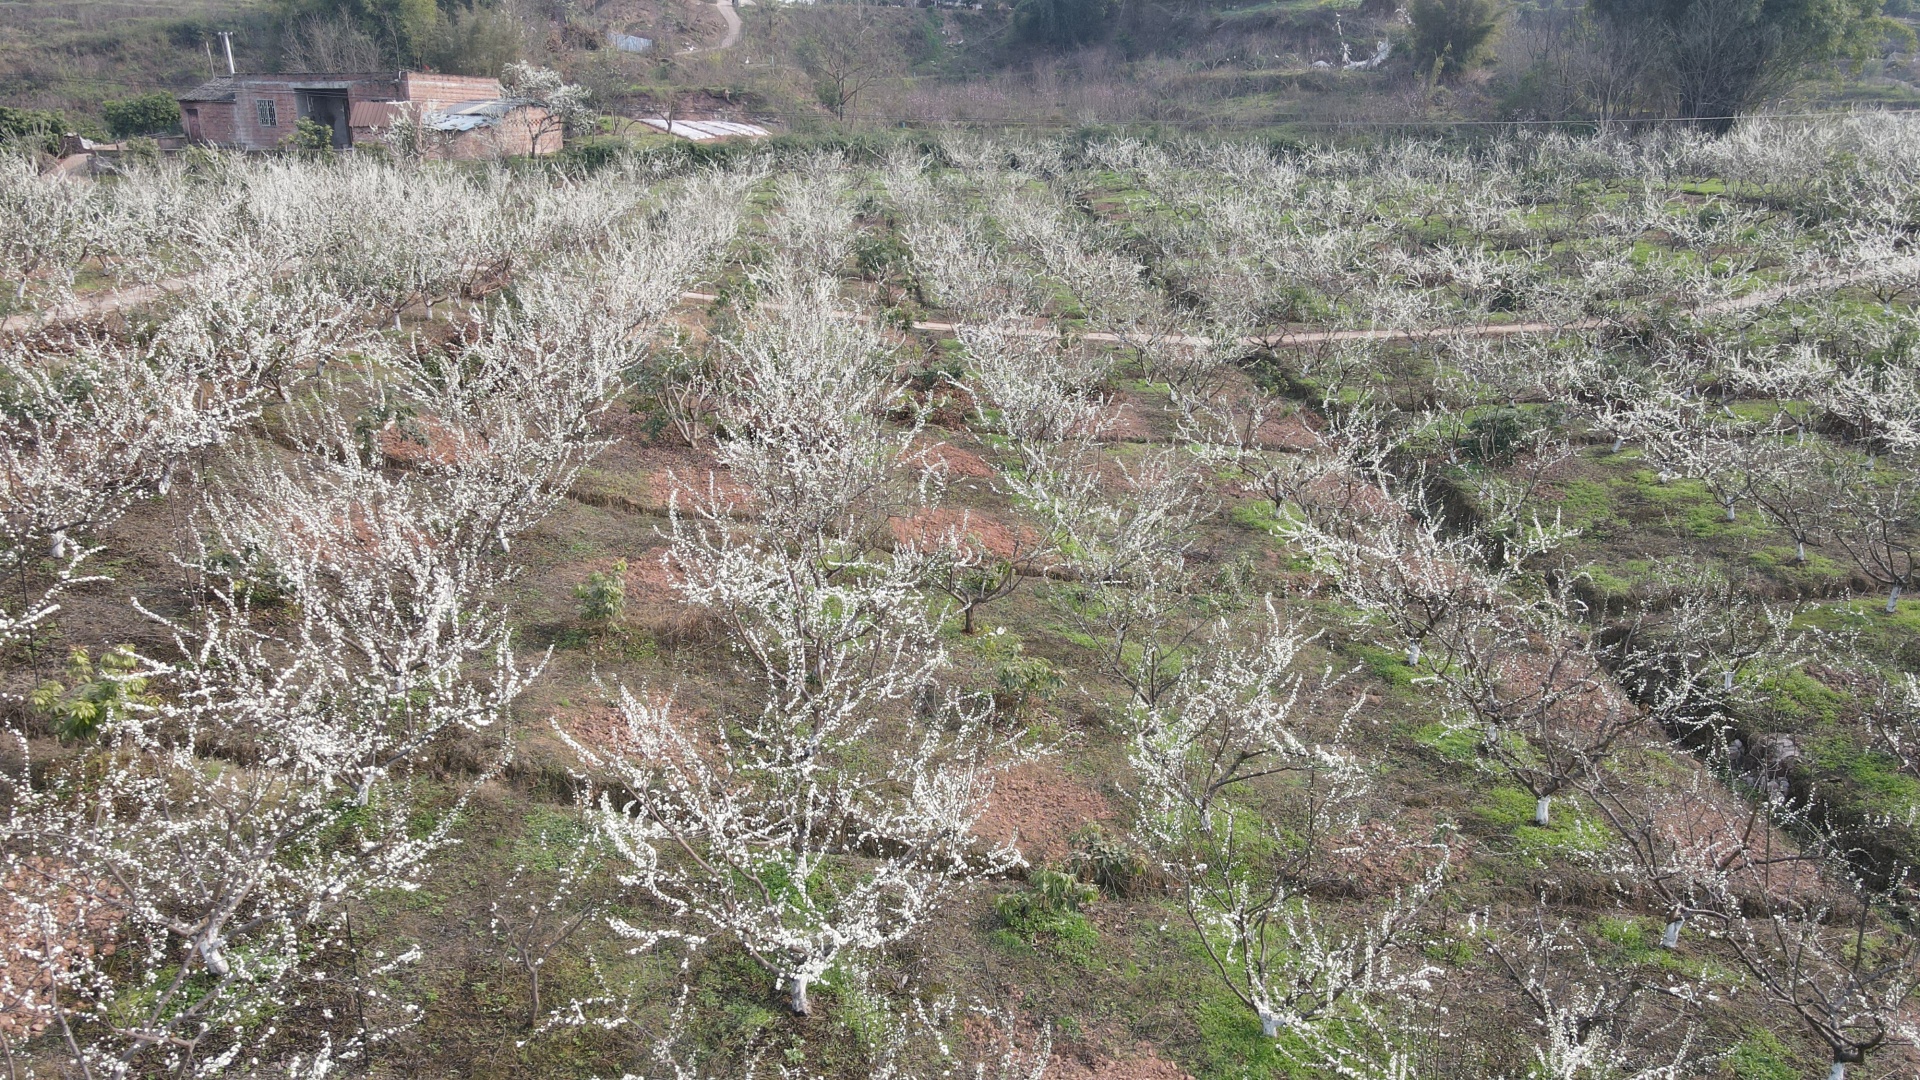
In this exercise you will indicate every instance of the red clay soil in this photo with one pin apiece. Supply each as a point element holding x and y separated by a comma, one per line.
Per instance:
<point>1344,491</point>
<point>1123,421</point>
<point>959,464</point>
<point>1143,1063</point>
<point>1038,807</point>
<point>1376,859</point>
<point>423,442</point>
<point>978,531</point>
<point>692,483</point>
<point>603,728</point>
<point>80,931</point>
<point>1290,432</point>
<point>1080,1060</point>
<point>650,580</point>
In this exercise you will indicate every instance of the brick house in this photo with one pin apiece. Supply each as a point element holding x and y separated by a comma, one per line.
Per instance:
<point>468,116</point>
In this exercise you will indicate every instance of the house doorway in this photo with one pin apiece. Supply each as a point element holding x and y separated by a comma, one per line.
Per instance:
<point>328,108</point>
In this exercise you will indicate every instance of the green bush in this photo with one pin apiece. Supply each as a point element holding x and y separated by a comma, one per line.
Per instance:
<point>1059,24</point>
<point>1049,908</point>
<point>140,149</point>
<point>603,598</point>
<point>1021,681</point>
<point>92,695</point>
<point>1110,864</point>
<point>1453,36</point>
<point>41,128</point>
<point>143,114</point>
<point>309,137</point>
<point>473,42</point>
<point>1496,436</point>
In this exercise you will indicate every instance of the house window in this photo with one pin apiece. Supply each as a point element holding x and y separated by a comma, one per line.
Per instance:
<point>264,109</point>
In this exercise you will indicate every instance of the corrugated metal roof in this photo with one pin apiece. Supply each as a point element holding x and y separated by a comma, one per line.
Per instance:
<point>707,130</point>
<point>220,89</point>
<point>470,115</point>
<point>632,43</point>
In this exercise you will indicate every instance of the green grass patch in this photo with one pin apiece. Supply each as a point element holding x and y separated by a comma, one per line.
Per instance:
<point>1451,741</point>
<point>1762,1056</point>
<point>1571,834</point>
<point>1875,779</point>
<point>1256,516</point>
<point>1390,667</point>
<point>1797,700</point>
<point>1046,915</point>
<point>1584,504</point>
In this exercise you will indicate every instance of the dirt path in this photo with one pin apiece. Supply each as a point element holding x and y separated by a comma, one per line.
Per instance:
<point>732,19</point>
<point>98,304</point>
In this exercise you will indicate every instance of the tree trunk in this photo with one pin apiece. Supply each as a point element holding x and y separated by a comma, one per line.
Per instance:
<point>1838,1072</point>
<point>1670,937</point>
<point>1413,653</point>
<point>1893,600</point>
<point>1271,1023</point>
<point>1730,516</point>
<point>797,995</point>
<point>1618,442</point>
<point>1800,551</point>
<point>967,627</point>
<point>1541,815</point>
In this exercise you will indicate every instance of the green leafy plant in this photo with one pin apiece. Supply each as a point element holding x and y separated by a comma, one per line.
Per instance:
<point>1495,437</point>
<point>1050,907</point>
<point>250,575</point>
<point>1021,681</point>
<point>603,596</point>
<point>1110,863</point>
<point>92,694</point>
<point>309,137</point>
<point>1451,37</point>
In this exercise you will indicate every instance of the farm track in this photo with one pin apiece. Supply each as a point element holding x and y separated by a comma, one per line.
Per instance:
<point>121,299</point>
<point>731,17</point>
<point>102,304</point>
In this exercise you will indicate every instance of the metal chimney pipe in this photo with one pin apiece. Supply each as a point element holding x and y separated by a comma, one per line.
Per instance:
<point>226,41</point>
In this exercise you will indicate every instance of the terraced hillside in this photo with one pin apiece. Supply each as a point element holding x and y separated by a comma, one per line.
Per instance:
<point>1067,608</point>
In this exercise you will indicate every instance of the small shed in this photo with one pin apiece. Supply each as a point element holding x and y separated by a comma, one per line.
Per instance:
<point>251,111</point>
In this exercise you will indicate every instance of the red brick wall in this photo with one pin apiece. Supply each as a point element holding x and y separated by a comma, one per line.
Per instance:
<point>446,89</point>
<point>215,121</point>
<point>238,125</point>
<point>249,133</point>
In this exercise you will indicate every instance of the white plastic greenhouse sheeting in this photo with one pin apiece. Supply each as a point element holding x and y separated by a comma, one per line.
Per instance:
<point>704,130</point>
